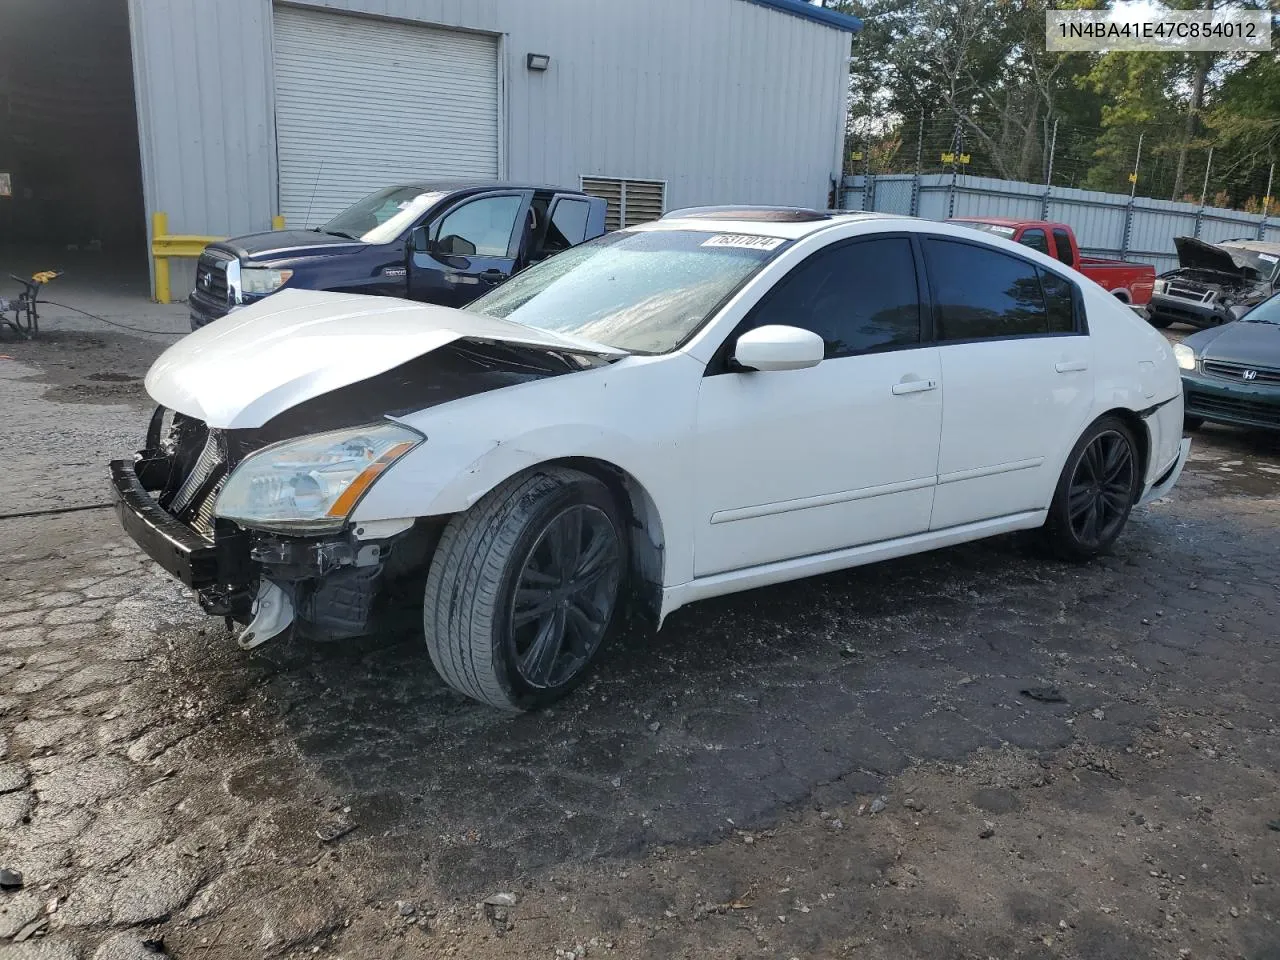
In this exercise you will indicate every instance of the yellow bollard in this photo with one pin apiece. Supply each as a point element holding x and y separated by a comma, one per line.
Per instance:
<point>277,222</point>
<point>160,228</point>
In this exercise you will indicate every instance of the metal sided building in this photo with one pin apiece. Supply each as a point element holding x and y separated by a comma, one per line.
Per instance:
<point>225,113</point>
<point>248,109</point>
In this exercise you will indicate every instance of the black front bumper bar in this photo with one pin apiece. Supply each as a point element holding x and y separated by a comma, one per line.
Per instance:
<point>179,549</point>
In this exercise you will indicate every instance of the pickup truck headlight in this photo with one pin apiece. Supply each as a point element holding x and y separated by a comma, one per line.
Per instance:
<point>312,484</point>
<point>1160,286</point>
<point>1185,356</point>
<point>260,281</point>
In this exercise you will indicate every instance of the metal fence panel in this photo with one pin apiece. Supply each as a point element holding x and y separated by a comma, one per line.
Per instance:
<point>1220,225</point>
<point>852,194</point>
<point>1105,224</point>
<point>892,194</point>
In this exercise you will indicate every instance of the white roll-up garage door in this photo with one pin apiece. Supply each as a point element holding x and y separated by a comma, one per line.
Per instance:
<point>362,104</point>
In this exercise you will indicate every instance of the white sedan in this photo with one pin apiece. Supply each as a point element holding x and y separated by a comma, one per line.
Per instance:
<point>715,401</point>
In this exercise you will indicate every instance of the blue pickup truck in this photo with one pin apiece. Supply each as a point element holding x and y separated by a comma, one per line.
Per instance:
<point>442,242</point>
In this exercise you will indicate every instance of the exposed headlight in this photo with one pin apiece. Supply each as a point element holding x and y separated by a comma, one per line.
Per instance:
<point>263,280</point>
<point>312,484</point>
<point>1185,356</point>
<point>1160,286</point>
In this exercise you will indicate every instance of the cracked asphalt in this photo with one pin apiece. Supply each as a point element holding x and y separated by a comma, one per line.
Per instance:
<point>844,766</point>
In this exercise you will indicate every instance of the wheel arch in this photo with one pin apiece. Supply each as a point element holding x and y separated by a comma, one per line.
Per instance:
<point>1141,433</point>
<point>1122,294</point>
<point>646,536</point>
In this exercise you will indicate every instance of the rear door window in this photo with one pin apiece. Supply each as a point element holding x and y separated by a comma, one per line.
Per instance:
<point>568,226</point>
<point>983,294</point>
<point>1059,299</point>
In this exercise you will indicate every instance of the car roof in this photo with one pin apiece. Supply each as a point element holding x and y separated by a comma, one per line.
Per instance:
<point>457,186</point>
<point>790,223</point>
<point>1256,246</point>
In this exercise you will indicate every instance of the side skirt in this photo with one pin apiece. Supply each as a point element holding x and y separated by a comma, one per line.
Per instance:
<point>781,571</point>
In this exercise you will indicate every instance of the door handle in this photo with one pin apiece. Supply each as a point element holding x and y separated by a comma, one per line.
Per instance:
<point>493,275</point>
<point>913,386</point>
<point>1071,366</point>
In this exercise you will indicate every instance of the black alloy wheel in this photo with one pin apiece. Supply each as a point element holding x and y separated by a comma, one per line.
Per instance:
<point>1096,491</point>
<point>1101,490</point>
<point>524,588</point>
<point>565,594</point>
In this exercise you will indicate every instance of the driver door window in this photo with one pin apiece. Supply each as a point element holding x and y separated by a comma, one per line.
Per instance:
<point>479,228</point>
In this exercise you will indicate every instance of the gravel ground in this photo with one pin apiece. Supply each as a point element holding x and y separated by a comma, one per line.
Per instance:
<point>842,767</point>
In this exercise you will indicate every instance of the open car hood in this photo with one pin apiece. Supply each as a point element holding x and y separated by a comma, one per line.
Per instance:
<point>1198,255</point>
<point>263,359</point>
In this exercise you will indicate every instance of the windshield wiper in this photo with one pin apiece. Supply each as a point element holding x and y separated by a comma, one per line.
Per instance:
<point>339,233</point>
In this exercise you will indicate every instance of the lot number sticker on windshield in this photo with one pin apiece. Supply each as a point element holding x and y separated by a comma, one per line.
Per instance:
<point>1267,258</point>
<point>744,241</point>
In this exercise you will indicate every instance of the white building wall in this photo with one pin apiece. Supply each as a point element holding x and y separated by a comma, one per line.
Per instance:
<point>726,100</point>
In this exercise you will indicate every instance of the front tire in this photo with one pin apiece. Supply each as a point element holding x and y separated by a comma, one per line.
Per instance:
<point>1096,491</point>
<point>524,587</point>
<point>1157,321</point>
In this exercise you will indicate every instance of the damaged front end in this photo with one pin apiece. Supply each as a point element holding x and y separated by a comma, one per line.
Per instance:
<point>256,519</point>
<point>324,582</point>
<point>1213,284</point>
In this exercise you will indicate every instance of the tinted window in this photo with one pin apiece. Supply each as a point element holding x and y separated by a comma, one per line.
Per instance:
<point>1062,240</point>
<point>1036,240</point>
<point>857,297</point>
<point>1059,301</point>
<point>481,228</point>
<point>568,226</point>
<point>980,293</point>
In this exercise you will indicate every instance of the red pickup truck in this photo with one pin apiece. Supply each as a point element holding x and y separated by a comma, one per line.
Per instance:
<point>1129,282</point>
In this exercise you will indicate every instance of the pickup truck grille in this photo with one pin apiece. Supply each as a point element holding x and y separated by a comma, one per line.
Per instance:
<point>211,276</point>
<point>1184,292</point>
<point>1237,371</point>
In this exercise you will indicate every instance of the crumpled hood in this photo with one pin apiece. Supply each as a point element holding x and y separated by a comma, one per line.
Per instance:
<point>263,359</point>
<point>1196,254</point>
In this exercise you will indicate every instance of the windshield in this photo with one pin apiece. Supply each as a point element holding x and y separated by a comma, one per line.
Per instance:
<point>640,291</point>
<point>383,216</point>
<point>1268,311</point>
<point>1266,264</point>
<point>999,229</point>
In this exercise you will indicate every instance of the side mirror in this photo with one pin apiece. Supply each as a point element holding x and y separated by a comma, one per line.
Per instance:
<point>777,347</point>
<point>418,240</point>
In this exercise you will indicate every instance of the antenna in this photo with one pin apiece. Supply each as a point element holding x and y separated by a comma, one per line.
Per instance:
<point>315,184</point>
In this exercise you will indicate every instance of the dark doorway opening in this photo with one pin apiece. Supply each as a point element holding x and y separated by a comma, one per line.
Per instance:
<point>69,140</point>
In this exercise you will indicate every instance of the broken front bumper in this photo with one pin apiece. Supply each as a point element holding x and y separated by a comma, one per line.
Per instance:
<point>176,547</point>
<point>330,583</point>
<point>221,570</point>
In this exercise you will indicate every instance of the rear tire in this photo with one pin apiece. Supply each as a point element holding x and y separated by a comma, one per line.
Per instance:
<point>524,587</point>
<point>1096,491</point>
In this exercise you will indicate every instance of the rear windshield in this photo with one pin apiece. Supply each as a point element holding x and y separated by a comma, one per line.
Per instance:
<point>642,291</point>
